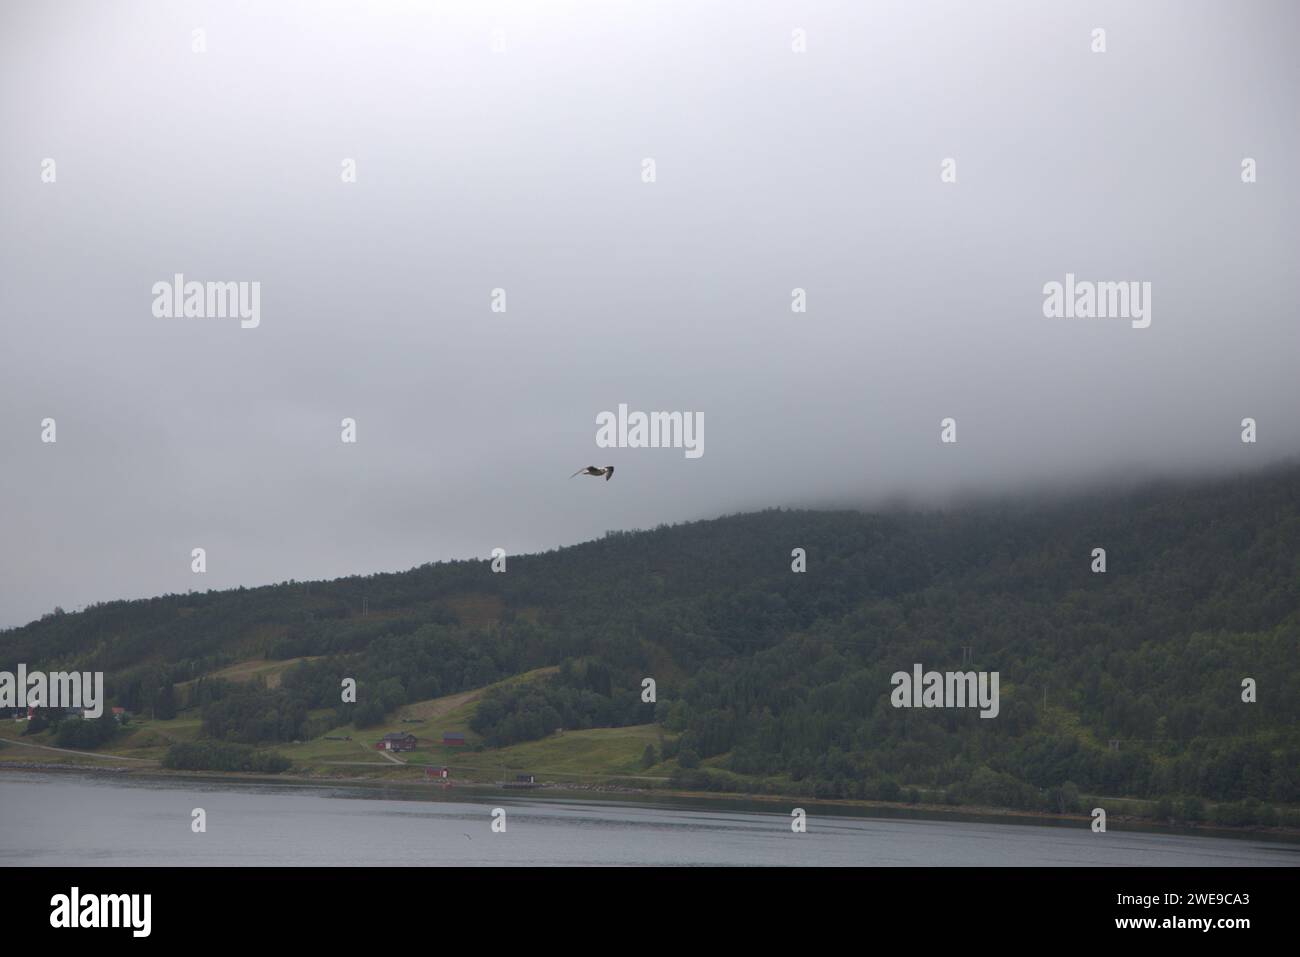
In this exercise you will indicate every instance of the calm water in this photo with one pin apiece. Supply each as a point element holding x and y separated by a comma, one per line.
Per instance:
<point>61,819</point>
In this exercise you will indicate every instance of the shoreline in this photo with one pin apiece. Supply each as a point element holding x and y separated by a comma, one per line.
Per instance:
<point>689,800</point>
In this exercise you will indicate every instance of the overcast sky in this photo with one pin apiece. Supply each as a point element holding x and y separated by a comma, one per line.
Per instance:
<point>522,168</point>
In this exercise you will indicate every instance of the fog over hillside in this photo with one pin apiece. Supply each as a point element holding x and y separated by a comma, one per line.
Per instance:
<point>920,171</point>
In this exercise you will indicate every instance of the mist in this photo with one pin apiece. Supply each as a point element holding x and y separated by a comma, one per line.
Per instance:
<point>498,272</point>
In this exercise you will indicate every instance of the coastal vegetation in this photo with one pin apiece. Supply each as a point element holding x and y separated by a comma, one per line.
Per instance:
<point>1126,684</point>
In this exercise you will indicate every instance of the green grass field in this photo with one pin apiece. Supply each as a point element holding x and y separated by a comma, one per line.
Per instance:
<point>578,757</point>
<point>253,669</point>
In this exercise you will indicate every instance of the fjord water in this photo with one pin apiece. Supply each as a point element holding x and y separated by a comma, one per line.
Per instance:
<point>100,820</point>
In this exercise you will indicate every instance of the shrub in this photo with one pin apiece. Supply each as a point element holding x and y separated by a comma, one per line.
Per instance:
<point>218,756</point>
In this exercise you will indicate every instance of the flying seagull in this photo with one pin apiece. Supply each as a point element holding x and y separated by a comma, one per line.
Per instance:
<point>607,471</point>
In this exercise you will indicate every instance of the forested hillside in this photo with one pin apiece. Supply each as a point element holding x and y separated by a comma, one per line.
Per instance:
<point>1125,683</point>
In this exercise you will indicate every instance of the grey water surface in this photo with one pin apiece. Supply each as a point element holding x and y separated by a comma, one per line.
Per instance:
<point>93,820</point>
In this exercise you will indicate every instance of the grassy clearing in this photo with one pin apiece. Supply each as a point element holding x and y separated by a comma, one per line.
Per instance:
<point>574,756</point>
<point>427,720</point>
<point>254,668</point>
<point>580,756</point>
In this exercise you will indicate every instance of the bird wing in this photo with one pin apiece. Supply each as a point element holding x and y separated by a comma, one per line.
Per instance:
<point>609,474</point>
<point>579,472</point>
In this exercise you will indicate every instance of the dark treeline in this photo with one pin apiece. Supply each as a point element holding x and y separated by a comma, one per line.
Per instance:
<point>218,756</point>
<point>1126,683</point>
<point>585,694</point>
